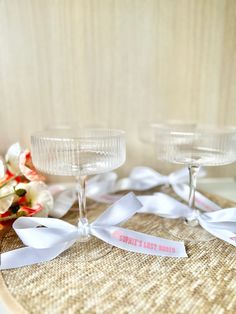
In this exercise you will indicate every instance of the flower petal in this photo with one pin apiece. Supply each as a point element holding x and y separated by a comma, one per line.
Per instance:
<point>6,202</point>
<point>31,211</point>
<point>27,168</point>
<point>12,158</point>
<point>2,169</point>
<point>38,196</point>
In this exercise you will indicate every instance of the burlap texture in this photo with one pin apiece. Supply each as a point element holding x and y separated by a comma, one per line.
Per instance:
<point>123,282</point>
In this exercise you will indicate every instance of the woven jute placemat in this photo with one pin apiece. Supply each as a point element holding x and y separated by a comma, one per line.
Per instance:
<point>123,282</point>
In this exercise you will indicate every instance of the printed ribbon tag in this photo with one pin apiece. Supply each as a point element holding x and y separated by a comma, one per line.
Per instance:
<point>44,244</point>
<point>221,223</point>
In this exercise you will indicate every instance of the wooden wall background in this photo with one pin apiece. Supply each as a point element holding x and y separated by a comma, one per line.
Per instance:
<point>116,63</point>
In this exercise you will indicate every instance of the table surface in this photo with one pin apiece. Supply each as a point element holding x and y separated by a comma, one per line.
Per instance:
<point>222,187</point>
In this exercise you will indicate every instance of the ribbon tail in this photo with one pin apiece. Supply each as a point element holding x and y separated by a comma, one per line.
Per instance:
<point>179,176</point>
<point>28,256</point>
<point>182,175</point>
<point>101,184</point>
<point>140,179</point>
<point>119,212</point>
<point>222,216</point>
<point>201,201</point>
<point>138,242</point>
<point>106,198</point>
<point>220,233</point>
<point>163,205</point>
<point>63,202</point>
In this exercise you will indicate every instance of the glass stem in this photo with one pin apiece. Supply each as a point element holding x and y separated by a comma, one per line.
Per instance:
<point>193,172</point>
<point>81,193</point>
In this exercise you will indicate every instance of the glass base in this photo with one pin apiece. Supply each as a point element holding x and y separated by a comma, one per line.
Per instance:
<point>84,239</point>
<point>92,249</point>
<point>187,232</point>
<point>86,251</point>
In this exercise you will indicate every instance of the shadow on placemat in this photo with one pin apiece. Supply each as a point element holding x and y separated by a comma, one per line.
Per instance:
<point>124,282</point>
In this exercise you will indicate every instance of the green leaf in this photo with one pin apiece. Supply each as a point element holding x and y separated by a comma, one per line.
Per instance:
<point>20,192</point>
<point>14,208</point>
<point>21,213</point>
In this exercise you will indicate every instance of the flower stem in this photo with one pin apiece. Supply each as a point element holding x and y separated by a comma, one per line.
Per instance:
<point>7,181</point>
<point>6,195</point>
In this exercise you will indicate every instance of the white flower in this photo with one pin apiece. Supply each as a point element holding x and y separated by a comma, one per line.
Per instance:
<point>19,162</point>
<point>7,201</point>
<point>2,169</point>
<point>12,158</point>
<point>27,168</point>
<point>38,198</point>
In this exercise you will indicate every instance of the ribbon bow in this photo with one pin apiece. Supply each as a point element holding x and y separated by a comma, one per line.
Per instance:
<point>220,223</point>
<point>99,187</point>
<point>145,178</point>
<point>44,244</point>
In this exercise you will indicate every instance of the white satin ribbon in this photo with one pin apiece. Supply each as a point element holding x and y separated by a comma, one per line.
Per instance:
<point>100,187</point>
<point>220,223</point>
<point>97,188</point>
<point>201,201</point>
<point>145,178</point>
<point>44,244</point>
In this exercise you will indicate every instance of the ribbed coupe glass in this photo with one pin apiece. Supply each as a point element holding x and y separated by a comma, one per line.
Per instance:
<point>195,146</point>
<point>78,153</point>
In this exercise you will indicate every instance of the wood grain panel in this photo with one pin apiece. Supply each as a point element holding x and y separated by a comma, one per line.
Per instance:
<point>116,63</point>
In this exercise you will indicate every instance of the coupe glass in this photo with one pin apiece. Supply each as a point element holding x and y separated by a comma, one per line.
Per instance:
<point>194,146</point>
<point>79,153</point>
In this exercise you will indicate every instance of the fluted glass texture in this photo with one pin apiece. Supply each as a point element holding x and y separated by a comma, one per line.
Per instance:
<point>194,145</point>
<point>78,152</point>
